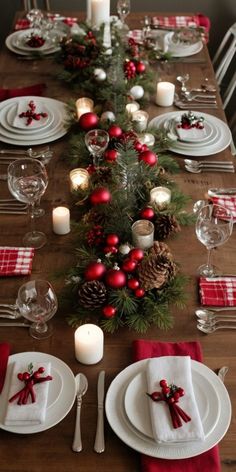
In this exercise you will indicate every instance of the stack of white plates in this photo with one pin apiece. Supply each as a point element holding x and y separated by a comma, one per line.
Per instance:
<point>181,49</point>
<point>127,411</point>
<point>17,42</point>
<point>217,134</point>
<point>14,130</point>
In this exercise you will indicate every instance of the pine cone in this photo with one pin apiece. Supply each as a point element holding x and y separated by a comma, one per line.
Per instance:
<point>161,249</point>
<point>165,225</point>
<point>155,271</point>
<point>92,294</point>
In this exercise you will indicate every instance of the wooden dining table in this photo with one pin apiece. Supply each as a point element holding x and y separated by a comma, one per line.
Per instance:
<point>51,449</point>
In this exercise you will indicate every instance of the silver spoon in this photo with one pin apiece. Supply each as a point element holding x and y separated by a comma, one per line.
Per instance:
<point>192,163</point>
<point>206,311</point>
<point>214,322</point>
<point>195,170</point>
<point>81,388</point>
<point>212,318</point>
<point>211,329</point>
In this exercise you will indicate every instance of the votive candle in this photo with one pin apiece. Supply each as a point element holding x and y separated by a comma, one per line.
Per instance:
<point>165,94</point>
<point>147,138</point>
<point>143,234</point>
<point>100,12</point>
<point>140,118</point>
<point>61,220</point>
<point>89,344</point>
<point>132,107</point>
<point>161,196</point>
<point>79,179</point>
<point>83,105</point>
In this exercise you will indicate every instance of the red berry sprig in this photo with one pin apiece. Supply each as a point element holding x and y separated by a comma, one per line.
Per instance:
<point>31,114</point>
<point>171,395</point>
<point>30,378</point>
<point>35,41</point>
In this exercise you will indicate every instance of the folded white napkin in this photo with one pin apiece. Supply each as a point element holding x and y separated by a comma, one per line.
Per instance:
<point>175,370</point>
<point>23,106</point>
<point>31,413</point>
<point>191,134</point>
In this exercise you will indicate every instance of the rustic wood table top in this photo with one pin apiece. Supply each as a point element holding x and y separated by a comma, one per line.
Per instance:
<point>51,449</point>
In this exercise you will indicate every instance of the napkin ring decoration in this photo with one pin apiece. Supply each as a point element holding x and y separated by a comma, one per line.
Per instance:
<point>30,378</point>
<point>171,395</point>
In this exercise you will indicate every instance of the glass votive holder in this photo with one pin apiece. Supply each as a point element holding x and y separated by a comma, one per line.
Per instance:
<point>140,119</point>
<point>161,197</point>
<point>79,179</point>
<point>132,107</point>
<point>83,105</point>
<point>165,94</point>
<point>147,138</point>
<point>143,234</point>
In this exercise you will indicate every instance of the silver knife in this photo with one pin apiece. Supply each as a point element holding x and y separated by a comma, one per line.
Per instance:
<point>99,444</point>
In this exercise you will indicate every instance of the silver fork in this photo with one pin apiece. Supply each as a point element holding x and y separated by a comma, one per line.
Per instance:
<point>9,311</point>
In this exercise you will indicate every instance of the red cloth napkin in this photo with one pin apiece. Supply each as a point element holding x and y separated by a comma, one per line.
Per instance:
<point>227,201</point>
<point>16,260</point>
<point>4,354</point>
<point>218,291</point>
<point>206,462</point>
<point>36,89</point>
<point>23,23</point>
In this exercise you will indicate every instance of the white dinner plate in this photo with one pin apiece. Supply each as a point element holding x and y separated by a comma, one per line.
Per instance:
<point>57,129</point>
<point>10,44</point>
<point>19,41</point>
<point>136,403</point>
<point>61,393</point>
<point>8,114</point>
<point>177,50</point>
<point>121,425</point>
<point>222,142</point>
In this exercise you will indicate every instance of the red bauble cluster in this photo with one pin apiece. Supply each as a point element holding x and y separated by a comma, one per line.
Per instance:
<point>112,241</point>
<point>132,68</point>
<point>100,195</point>
<point>129,265</point>
<point>88,121</point>
<point>95,236</point>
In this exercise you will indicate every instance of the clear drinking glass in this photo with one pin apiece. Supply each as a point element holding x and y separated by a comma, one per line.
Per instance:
<point>214,226</point>
<point>37,302</point>
<point>96,141</point>
<point>123,9</point>
<point>27,181</point>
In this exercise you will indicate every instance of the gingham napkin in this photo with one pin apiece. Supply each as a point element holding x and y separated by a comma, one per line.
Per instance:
<point>218,291</point>
<point>31,413</point>
<point>176,22</point>
<point>23,23</point>
<point>16,260</point>
<point>227,201</point>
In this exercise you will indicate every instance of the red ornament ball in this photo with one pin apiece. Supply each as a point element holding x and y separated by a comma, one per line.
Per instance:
<point>110,155</point>
<point>136,254</point>
<point>100,195</point>
<point>147,213</point>
<point>88,121</point>
<point>129,265</point>
<point>139,292</point>
<point>114,131</point>
<point>110,250</point>
<point>148,157</point>
<point>140,67</point>
<point>112,239</point>
<point>144,148</point>
<point>109,311</point>
<point>133,284</point>
<point>115,278</point>
<point>94,271</point>
<point>138,146</point>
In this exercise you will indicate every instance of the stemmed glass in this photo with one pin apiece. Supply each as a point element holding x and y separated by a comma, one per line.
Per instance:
<point>27,181</point>
<point>214,226</point>
<point>182,79</point>
<point>37,302</point>
<point>96,141</point>
<point>123,9</point>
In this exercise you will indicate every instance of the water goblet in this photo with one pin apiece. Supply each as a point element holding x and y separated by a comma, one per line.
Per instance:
<point>35,17</point>
<point>182,79</point>
<point>37,302</point>
<point>214,226</point>
<point>96,141</point>
<point>123,9</point>
<point>27,181</point>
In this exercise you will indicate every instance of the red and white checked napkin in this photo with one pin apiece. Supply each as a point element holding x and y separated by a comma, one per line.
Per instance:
<point>15,260</point>
<point>227,201</point>
<point>23,23</point>
<point>218,291</point>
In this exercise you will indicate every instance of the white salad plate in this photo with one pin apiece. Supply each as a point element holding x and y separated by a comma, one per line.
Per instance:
<point>181,50</point>
<point>61,394</point>
<point>14,45</point>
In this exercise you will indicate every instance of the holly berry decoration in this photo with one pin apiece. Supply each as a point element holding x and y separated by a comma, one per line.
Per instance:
<point>140,67</point>
<point>109,311</point>
<point>100,195</point>
<point>29,378</point>
<point>149,157</point>
<point>110,155</point>
<point>88,121</point>
<point>95,236</point>
<point>115,278</point>
<point>129,69</point>
<point>114,131</point>
<point>35,41</point>
<point>136,254</point>
<point>147,213</point>
<point>95,271</point>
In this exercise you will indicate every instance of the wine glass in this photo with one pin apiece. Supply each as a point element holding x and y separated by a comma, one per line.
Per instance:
<point>96,141</point>
<point>214,226</point>
<point>27,181</point>
<point>37,302</point>
<point>123,9</point>
<point>182,79</point>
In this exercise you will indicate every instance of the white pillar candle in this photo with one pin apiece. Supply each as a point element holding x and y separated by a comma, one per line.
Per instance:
<point>89,341</point>
<point>140,118</point>
<point>100,12</point>
<point>83,105</point>
<point>61,220</point>
<point>88,11</point>
<point>79,179</point>
<point>161,196</point>
<point>165,94</point>
<point>147,138</point>
<point>132,107</point>
<point>143,234</point>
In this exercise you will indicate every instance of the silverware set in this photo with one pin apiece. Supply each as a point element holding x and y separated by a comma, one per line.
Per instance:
<point>9,155</point>
<point>209,320</point>
<point>10,206</point>
<point>196,167</point>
